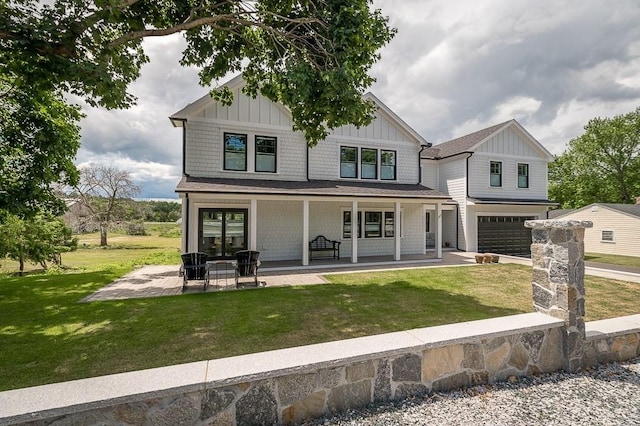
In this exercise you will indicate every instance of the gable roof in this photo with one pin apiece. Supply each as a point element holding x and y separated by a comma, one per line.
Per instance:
<point>470,142</point>
<point>178,118</point>
<point>628,209</point>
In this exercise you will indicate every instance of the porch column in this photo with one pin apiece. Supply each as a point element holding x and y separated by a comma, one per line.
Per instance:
<point>439,231</point>
<point>354,232</point>
<point>305,232</point>
<point>396,231</point>
<point>253,225</point>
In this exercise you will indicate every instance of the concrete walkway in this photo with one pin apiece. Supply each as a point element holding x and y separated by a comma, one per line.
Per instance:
<point>163,280</point>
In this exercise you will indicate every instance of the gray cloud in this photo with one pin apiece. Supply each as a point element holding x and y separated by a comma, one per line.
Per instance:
<point>454,67</point>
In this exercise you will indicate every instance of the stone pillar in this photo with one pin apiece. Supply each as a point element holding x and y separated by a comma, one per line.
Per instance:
<point>557,254</point>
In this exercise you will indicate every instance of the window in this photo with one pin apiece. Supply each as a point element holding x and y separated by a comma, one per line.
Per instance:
<point>347,224</point>
<point>348,162</point>
<point>373,224</point>
<point>523,175</point>
<point>495,170</point>
<point>266,154</point>
<point>377,224</point>
<point>235,151</point>
<point>388,165</point>
<point>389,224</point>
<point>607,236</point>
<point>369,163</point>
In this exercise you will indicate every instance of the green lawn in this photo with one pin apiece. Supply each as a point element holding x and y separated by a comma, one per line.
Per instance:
<point>47,336</point>
<point>613,259</point>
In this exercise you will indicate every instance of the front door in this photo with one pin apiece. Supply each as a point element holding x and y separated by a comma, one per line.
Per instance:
<point>222,232</point>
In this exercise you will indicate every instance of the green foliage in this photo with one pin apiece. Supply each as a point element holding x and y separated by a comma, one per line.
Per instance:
<point>601,166</point>
<point>39,138</point>
<point>39,239</point>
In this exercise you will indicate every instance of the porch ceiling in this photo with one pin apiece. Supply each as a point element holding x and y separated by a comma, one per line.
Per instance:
<point>315,188</point>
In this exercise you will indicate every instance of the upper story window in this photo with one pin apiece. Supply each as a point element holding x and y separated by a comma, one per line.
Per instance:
<point>348,162</point>
<point>388,165</point>
<point>373,164</point>
<point>523,175</point>
<point>235,151</point>
<point>266,148</point>
<point>369,163</point>
<point>495,170</point>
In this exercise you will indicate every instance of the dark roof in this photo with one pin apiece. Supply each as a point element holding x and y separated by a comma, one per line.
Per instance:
<point>313,188</point>
<point>632,209</point>
<point>461,144</point>
<point>521,201</point>
<point>552,214</point>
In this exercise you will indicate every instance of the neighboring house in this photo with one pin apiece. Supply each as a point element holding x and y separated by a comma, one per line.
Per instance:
<point>616,227</point>
<point>498,177</point>
<point>78,217</point>
<point>251,182</point>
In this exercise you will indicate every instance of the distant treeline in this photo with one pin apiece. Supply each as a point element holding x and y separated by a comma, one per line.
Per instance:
<point>154,211</point>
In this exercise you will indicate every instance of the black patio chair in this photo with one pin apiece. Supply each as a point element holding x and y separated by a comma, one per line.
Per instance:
<point>194,267</point>
<point>246,266</point>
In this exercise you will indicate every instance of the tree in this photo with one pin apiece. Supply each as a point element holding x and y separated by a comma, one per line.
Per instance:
<point>38,239</point>
<point>602,165</point>
<point>104,190</point>
<point>39,138</point>
<point>312,55</point>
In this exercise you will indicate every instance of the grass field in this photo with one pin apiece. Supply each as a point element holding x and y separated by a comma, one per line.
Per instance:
<point>47,335</point>
<point>613,259</point>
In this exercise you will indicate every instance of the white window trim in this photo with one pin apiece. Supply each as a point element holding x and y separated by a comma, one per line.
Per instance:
<point>518,176</point>
<point>501,174</point>
<point>251,151</point>
<point>613,236</point>
<point>359,149</point>
<point>370,209</point>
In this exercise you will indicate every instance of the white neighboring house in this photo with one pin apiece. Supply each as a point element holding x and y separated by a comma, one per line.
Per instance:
<point>616,227</point>
<point>498,177</point>
<point>251,182</point>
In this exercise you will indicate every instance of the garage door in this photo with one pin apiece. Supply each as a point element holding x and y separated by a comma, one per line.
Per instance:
<point>504,235</point>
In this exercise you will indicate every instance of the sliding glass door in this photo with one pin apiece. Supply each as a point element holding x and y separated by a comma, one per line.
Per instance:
<point>222,232</point>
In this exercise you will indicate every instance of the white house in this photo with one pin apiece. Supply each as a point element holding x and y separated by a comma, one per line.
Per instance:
<point>251,182</point>
<point>498,178</point>
<point>616,227</point>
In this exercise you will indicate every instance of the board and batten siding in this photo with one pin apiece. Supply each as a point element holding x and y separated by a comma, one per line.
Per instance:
<point>626,231</point>
<point>453,181</point>
<point>510,147</point>
<point>205,155</point>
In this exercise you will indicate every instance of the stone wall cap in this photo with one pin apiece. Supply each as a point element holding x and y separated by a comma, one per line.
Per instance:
<point>612,327</point>
<point>558,224</point>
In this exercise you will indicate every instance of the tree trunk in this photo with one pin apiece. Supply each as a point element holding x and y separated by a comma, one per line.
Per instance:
<point>21,267</point>
<point>103,234</point>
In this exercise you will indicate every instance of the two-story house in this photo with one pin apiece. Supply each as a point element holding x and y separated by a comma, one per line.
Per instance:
<point>498,178</point>
<point>251,182</point>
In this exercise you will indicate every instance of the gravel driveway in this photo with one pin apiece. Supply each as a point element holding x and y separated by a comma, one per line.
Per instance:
<point>604,395</point>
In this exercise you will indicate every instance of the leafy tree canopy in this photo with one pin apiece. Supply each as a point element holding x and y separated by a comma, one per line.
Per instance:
<point>601,166</point>
<point>311,55</point>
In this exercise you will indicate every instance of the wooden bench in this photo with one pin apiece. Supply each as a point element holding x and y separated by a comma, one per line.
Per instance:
<point>322,244</point>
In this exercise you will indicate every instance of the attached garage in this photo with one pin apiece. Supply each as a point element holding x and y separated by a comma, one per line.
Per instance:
<point>504,235</point>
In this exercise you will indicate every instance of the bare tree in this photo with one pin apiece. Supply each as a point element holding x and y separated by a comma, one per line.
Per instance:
<point>104,190</point>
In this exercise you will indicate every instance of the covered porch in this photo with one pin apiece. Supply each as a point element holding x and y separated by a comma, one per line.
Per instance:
<point>280,218</point>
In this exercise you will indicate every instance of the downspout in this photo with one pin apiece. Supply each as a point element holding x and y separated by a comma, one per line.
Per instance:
<point>308,162</point>
<point>186,199</point>
<point>184,148</point>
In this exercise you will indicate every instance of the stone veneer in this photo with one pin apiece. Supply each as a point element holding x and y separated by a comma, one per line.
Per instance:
<point>290,385</point>
<point>557,254</point>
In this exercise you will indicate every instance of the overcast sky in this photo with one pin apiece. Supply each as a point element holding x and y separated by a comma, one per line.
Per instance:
<point>454,67</point>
